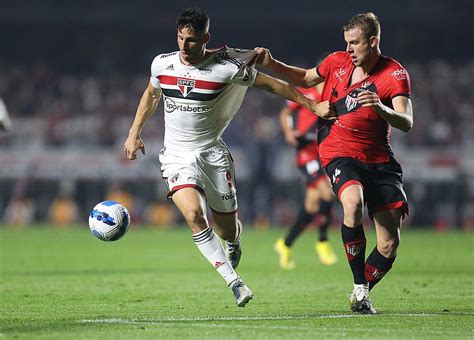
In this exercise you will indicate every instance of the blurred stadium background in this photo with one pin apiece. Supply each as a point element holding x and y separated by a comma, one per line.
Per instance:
<point>72,72</point>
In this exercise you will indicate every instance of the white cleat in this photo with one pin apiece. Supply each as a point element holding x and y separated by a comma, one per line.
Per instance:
<point>359,301</point>
<point>241,292</point>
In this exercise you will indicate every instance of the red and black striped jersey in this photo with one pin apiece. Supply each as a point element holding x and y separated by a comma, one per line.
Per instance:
<point>358,132</point>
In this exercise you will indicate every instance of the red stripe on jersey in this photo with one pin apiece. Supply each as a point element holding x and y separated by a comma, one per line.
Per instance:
<point>200,84</point>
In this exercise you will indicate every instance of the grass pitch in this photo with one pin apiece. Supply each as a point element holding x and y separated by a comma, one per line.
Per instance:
<point>66,284</point>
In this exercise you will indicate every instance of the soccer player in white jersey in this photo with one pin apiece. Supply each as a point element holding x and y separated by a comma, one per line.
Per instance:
<point>202,90</point>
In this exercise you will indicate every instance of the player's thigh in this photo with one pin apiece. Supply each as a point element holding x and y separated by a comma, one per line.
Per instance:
<point>384,190</point>
<point>192,205</point>
<point>347,179</point>
<point>220,186</point>
<point>180,170</point>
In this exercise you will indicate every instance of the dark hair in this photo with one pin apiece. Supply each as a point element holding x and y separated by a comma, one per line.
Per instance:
<point>194,18</point>
<point>367,22</point>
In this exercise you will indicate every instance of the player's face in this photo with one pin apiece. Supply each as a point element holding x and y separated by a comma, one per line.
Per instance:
<point>358,46</point>
<point>191,44</point>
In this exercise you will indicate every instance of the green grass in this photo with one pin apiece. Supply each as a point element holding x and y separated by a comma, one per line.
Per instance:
<point>65,284</point>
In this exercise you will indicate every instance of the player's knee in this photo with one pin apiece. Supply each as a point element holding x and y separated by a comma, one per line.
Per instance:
<point>195,218</point>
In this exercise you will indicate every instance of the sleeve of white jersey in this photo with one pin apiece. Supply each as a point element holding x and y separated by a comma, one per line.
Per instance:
<point>155,71</point>
<point>245,73</point>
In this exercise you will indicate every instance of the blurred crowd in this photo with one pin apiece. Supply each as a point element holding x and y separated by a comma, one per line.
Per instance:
<point>59,111</point>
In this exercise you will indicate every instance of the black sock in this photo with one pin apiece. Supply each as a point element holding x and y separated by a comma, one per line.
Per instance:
<point>302,220</point>
<point>354,245</point>
<point>376,267</point>
<point>325,212</point>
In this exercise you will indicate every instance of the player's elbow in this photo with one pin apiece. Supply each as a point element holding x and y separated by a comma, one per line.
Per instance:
<point>407,126</point>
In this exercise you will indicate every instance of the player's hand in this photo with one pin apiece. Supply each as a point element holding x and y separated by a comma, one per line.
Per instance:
<point>369,99</point>
<point>264,57</point>
<point>324,110</point>
<point>132,145</point>
<point>291,138</point>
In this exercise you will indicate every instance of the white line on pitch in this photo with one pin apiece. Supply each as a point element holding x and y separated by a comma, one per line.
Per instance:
<point>249,318</point>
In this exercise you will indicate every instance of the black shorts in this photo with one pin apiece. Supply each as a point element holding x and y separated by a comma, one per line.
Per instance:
<point>313,173</point>
<point>381,182</point>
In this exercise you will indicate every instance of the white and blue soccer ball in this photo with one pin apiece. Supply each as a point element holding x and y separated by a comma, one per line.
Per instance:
<point>109,221</point>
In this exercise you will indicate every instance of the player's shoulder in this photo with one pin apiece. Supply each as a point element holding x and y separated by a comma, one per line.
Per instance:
<point>163,63</point>
<point>394,68</point>
<point>339,57</point>
<point>164,57</point>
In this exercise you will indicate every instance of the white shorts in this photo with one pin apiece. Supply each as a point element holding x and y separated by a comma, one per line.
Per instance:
<point>210,171</point>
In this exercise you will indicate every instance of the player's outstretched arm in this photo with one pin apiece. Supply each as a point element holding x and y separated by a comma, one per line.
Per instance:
<point>285,90</point>
<point>295,75</point>
<point>146,107</point>
<point>400,117</point>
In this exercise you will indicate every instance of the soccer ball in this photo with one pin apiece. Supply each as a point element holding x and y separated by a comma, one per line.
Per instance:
<point>109,221</point>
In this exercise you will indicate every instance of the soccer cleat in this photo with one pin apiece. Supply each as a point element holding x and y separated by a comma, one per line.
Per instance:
<point>359,301</point>
<point>285,254</point>
<point>234,253</point>
<point>325,252</point>
<point>242,293</point>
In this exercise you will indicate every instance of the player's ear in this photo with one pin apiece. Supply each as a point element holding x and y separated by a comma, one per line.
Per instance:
<point>373,41</point>
<point>207,37</point>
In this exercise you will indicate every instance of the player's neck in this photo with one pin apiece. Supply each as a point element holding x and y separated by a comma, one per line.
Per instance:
<point>371,63</point>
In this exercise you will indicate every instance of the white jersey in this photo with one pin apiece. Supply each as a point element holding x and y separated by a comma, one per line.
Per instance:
<point>200,100</point>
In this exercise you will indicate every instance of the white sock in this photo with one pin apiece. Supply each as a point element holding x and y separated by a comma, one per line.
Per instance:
<point>210,246</point>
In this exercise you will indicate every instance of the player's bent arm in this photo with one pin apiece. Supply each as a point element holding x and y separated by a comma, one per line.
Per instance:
<point>401,116</point>
<point>282,89</point>
<point>147,106</point>
<point>285,90</point>
<point>294,75</point>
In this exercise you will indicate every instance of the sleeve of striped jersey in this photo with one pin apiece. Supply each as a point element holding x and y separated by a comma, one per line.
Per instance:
<point>400,83</point>
<point>155,71</point>
<point>325,66</point>
<point>245,73</point>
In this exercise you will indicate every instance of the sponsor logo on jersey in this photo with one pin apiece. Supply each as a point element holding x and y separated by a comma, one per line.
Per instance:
<point>171,105</point>
<point>351,102</point>
<point>186,85</point>
<point>400,74</point>
<point>167,55</point>
<point>170,67</point>
<point>340,73</point>
<point>205,70</point>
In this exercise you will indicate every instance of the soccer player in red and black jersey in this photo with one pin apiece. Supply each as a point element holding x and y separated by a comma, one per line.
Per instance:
<point>369,93</point>
<point>299,126</point>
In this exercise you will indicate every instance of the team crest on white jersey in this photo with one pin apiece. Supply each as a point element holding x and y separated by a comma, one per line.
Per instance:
<point>186,86</point>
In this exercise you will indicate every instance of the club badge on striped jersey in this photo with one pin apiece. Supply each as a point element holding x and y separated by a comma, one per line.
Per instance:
<point>186,86</point>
